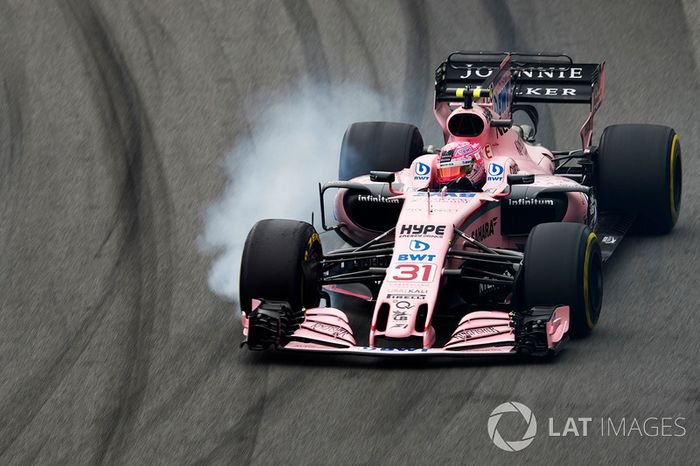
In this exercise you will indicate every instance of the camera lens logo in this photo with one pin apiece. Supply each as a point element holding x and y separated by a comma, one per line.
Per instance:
<point>528,436</point>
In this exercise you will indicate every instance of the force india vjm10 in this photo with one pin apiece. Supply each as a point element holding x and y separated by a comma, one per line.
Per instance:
<point>514,267</point>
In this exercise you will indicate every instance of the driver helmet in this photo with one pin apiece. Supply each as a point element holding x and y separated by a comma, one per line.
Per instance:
<point>461,159</point>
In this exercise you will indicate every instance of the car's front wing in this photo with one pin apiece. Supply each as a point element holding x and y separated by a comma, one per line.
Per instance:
<point>539,331</point>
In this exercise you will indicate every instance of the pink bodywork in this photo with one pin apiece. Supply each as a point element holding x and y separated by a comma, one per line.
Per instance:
<point>425,232</point>
<point>421,274</point>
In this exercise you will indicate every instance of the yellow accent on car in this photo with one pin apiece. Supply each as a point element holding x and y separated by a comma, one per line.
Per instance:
<point>674,212</point>
<point>586,297</point>
<point>459,92</point>
<point>477,92</point>
<point>312,239</point>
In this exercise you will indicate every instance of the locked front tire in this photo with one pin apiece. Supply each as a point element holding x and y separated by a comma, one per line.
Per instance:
<point>281,262</point>
<point>562,265</point>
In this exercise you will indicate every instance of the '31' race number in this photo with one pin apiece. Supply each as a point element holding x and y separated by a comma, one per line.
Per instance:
<point>412,273</point>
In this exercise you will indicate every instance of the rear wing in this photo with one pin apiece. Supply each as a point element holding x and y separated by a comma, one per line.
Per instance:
<point>534,78</point>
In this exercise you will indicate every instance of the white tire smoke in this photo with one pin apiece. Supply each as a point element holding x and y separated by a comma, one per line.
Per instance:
<point>295,144</point>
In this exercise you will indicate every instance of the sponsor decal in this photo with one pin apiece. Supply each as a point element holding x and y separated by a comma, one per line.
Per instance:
<point>412,273</point>
<point>479,72</point>
<point>573,72</point>
<point>336,331</point>
<point>433,209</point>
<point>377,199</point>
<point>433,231</point>
<point>446,194</point>
<point>404,305</point>
<point>471,149</point>
<point>474,332</point>
<point>422,172</point>
<point>609,240</point>
<point>547,91</point>
<point>530,202</point>
<point>486,350</point>
<point>560,73</point>
<point>417,257</point>
<point>488,151</point>
<point>495,172</point>
<point>484,230</point>
<point>409,288</point>
<point>407,350</point>
<point>520,147</point>
<point>400,314</point>
<point>500,101</point>
<point>418,246</point>
<point>405,296</point>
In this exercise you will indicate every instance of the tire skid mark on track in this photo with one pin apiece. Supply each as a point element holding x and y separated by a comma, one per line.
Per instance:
<point>362,44</point>
<point>247,129</point>
<point>20,410</point>
<point>244,434</point>
<point>241,440</point>
<point>147,207</point>
<point>418,62</point>
<point>306,27</point>
<point>12,91</point>
<point>159,44</point>
<point>219,346</point>
<point>307,30</point>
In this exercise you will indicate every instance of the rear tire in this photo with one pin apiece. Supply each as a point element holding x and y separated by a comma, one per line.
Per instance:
<point>563,266</point>
<point>639,169</point>
<point>281,262</point>
<point>378,145</point>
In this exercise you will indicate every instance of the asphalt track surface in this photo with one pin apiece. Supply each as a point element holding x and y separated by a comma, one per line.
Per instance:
<point>114,119</point>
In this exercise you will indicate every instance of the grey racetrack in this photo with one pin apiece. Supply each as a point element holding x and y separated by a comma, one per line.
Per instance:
<point>115,118</point>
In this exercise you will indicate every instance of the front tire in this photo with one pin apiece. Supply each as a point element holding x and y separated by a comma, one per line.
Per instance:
<point>562,265</point>
<point>639,169</point>
<point>281,262</point>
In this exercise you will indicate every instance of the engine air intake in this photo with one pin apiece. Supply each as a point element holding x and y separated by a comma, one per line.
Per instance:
<point>465,125</point>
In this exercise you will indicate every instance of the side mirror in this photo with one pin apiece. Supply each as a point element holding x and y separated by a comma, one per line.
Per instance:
<point>525,178</point>
<point>382,177</point>
<point>385,177</point>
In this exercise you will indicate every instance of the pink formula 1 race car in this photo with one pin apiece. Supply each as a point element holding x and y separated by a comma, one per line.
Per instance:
<point>508,264</point>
